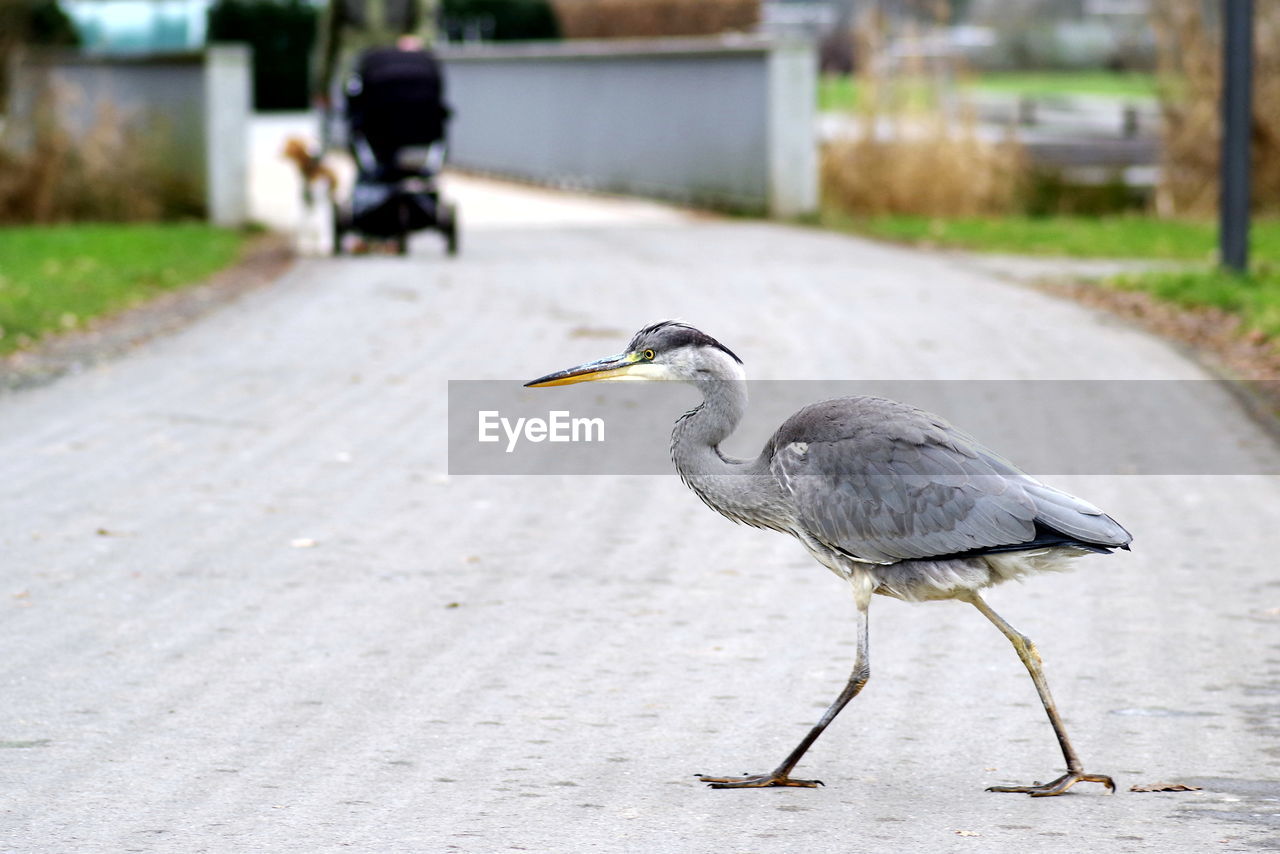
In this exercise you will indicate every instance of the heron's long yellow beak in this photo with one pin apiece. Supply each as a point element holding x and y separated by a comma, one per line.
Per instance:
<point>628,366</point>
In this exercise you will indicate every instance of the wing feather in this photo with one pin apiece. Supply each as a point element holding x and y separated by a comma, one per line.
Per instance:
<point>884,482</point>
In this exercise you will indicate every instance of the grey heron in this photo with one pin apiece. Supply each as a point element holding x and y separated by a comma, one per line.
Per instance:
<point>891,498</point>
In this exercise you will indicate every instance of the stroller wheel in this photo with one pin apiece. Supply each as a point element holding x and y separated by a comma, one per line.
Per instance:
<point>449,224</point>
<point>402,239</point>
<point>338,230</point>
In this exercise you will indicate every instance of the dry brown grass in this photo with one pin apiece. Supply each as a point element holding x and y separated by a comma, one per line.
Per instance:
<point>934,167</point>
<point>586,19</point>
<point>912,156</point>
<point>1189,55</point>
<point>112,172</point>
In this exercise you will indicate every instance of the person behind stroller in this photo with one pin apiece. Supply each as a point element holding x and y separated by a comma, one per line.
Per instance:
<point>396,119</point>
<point>348,28</point>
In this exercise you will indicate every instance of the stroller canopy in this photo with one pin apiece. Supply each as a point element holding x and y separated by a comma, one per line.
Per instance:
<point>395,99</point>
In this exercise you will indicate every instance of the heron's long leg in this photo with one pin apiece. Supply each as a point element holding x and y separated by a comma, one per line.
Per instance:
<point>1031,658</point>
<point>780,775</point>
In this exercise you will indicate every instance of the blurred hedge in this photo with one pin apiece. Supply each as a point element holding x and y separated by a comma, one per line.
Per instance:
<point>281,34</point>
<point>644,18</point>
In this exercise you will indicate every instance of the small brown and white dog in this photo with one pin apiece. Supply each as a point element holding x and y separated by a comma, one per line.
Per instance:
<point>311,169</point>
<point>315,224</point>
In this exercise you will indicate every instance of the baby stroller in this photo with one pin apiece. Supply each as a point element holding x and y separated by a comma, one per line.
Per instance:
<point>396,119</point>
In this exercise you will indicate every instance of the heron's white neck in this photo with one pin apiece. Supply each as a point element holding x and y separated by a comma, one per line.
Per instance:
<point>742,490</point>
<point>697,435</point>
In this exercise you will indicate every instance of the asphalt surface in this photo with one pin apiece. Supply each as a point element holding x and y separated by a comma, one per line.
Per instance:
<point>245,607</point>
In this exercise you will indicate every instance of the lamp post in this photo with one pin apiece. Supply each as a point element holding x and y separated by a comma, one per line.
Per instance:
<point>1237,118</point>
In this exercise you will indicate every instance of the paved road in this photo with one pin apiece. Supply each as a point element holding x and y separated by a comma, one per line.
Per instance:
<point>244,607</point>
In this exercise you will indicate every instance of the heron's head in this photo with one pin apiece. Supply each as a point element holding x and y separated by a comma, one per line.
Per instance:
<point>663,351</point>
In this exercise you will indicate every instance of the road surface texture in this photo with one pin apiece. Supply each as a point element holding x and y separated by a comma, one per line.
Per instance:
<point>245,607</point>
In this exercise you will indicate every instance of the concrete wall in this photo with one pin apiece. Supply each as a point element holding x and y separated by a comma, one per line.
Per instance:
<point>725,123</point>
<point>191,109</point>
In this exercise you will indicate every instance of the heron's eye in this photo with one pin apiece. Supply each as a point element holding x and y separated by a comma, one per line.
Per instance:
<point>649,355</point>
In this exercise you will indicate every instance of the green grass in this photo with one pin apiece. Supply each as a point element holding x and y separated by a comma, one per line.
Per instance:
<point>56,278</point>
<point>837,92</point>
<point>840,92</point>
<point>1079,237</point>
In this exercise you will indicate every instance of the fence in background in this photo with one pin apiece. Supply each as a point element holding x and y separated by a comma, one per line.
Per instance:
<point>726,123</point>
<point>192,110</point>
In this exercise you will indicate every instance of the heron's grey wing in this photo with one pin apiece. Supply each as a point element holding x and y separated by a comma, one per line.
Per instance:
<point>883,482</point>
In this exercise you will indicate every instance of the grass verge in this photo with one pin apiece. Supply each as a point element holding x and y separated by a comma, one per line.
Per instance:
<point>1050,84</point>
<point>57,278</point>
<point>1254,298</point>
<point>1077,237</point>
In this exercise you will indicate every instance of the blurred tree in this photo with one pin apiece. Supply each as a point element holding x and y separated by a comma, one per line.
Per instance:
<point>31,22</point>
<point>499,20</point>
<point>46,23</point>
<point>1189,39</point>
<point>281,34</point>
<point>350,27</point>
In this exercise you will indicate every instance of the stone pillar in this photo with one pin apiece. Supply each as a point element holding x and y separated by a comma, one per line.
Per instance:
<point>228,106</point>
<point>793,145</point>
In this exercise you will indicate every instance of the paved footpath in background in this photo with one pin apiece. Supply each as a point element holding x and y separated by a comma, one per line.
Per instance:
<point>244,607</point>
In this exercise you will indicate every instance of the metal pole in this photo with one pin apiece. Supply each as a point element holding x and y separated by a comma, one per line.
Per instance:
<point>1237,116</point>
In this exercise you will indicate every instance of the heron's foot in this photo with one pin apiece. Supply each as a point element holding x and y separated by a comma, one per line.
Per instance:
<point>1058,786</point>
<point>758,781</point>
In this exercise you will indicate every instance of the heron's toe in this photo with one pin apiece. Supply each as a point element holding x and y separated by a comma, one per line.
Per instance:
<point>758,781</point>
<point>1058,786</point>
